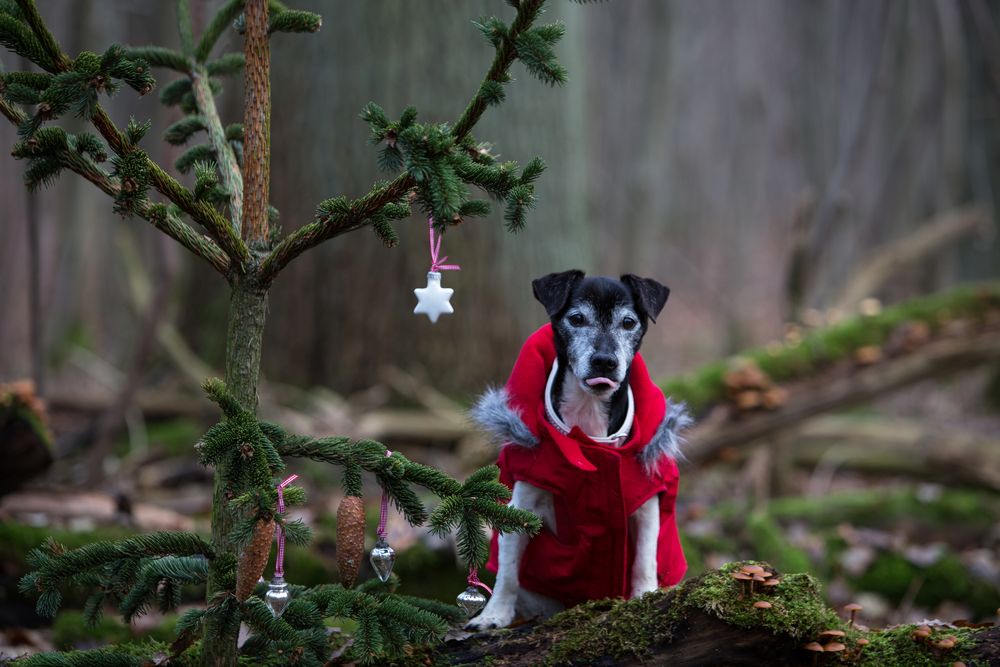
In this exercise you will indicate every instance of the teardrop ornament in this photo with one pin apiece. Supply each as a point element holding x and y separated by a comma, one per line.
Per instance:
<point>382,558</point>
<point>471,600</point>
<point>277,597</point>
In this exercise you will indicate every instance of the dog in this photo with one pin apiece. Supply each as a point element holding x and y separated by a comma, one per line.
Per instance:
<point>589,444</point>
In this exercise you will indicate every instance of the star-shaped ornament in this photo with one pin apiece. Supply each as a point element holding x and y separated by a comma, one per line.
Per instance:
<point>433,300</point>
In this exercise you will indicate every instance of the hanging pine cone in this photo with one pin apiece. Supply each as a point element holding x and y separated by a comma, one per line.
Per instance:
<point>254,558</point>
<point>350,539</point>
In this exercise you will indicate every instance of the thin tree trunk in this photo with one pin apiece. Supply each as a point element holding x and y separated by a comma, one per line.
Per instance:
<point>248,304</point>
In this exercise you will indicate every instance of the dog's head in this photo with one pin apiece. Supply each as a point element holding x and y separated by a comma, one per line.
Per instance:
<point>599,323</point>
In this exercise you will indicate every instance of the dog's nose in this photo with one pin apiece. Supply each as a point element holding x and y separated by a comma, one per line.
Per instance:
<point>603,363</point>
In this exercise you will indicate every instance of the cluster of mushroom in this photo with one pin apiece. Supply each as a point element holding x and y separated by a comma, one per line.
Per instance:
<point>904,339</point>
<point>749,388</point>
<point>832,641</point>
<point>924,634</point>
<point>749,575</point>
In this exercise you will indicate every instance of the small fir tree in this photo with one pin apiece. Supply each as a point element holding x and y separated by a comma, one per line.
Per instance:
<point>225,220</point>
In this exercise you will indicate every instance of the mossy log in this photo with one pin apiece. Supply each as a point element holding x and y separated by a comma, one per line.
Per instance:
<point>24,437</point>
<point>838,366</point>
<point>715,620</point>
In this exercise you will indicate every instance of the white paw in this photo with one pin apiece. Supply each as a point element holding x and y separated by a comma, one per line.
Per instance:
<point>642,586</point>
<point>494,616</point>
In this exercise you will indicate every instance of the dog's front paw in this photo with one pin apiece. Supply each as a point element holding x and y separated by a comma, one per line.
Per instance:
<point>499,616</point>
<point>642,586</point>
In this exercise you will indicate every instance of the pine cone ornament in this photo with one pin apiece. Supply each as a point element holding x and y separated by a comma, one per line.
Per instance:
<point>254,558</point>
<point>350,539</point>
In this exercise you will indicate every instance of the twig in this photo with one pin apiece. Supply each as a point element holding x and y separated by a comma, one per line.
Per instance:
<point>931,236</point>
<point>232,179</point>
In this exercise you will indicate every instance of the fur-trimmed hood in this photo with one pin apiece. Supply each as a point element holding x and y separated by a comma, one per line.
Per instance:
<point>505,420</point>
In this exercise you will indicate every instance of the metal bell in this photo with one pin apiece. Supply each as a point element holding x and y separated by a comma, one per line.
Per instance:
<point>471,600</point>
<point>382,558</point>
<point>277,597</point>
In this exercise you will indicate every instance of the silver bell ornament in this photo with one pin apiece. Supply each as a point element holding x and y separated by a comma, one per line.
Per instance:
<point>471,600</point>
<point>277,597</point>
<point>382,558</point>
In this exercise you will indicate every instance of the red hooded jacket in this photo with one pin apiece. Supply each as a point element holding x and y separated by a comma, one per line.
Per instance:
<point>596,487</point>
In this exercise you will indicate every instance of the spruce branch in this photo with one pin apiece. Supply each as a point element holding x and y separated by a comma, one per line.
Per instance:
<point>55,57</point>
<point>184,28</point>
<point>78,156</point>
<point>222,19</point>
<point>363,211</point>
<point>218,228</point>
<point>232,178</point>
<point>158,56</point>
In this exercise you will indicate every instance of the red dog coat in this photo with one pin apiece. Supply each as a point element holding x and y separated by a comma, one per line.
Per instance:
<point>596,487</point>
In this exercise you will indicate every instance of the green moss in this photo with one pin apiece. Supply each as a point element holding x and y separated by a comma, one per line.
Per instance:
<point>70,631</point>
<point>705,386</point>
<point>897,648</point>
<point>619,628</point>
<point>798,609</point>
<point>615,628</point>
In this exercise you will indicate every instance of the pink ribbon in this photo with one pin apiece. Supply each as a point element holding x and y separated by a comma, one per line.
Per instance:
<point>385,509</point>
<point>474,580</point>
<point>437,264</point>
<point>279,563</point>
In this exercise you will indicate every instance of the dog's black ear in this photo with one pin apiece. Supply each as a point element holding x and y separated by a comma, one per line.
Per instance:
<point>649,295</point>
<point>553,290</point>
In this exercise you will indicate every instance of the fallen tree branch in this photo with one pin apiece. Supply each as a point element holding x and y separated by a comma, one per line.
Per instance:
<point>839,388</point>
<point>930,236</point>
<point>901,447</point>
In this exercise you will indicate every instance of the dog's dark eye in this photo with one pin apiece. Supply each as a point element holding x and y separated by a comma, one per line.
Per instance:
<point>629,323</point>
<point>577,320</point>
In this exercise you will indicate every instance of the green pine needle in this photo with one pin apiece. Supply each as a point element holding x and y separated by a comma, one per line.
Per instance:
<point>295,21</point>
<point>181,131</point>
<point>158,56</point>
<point>230,63</point>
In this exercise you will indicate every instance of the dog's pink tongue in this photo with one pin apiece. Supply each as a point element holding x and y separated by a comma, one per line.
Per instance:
<point>593,382</point>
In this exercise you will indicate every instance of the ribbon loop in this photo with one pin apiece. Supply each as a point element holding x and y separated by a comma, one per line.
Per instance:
<point>438,262</point>
<point>473,580</point>
<point>279,561</point>
<point>385,508</point>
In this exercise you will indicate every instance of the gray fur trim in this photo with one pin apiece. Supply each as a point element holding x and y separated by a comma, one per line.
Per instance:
<point>668,439</point>
<point>493,414</point>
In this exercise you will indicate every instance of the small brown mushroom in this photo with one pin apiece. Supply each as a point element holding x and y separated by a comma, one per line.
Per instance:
<point>866,355</point>
<point>946,643</point>
<point>834,647</point>
<point>753,569</point>
<point>772,582</point>
<point>813,646</point>
<point>832,633</point>
<point>853,609</point>
<point>762,604</point>
<point>923,632</point>
<point>863,642</point>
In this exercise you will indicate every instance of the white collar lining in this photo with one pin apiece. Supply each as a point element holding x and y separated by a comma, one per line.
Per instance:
<point>614,438</point>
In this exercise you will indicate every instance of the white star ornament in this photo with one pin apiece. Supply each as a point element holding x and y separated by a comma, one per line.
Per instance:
<point>433,300</point>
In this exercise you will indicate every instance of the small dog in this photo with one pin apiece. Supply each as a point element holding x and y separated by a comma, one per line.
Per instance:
<point>589,445</point>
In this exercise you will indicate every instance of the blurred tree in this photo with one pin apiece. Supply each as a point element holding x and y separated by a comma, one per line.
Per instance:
<point>232,228</point>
